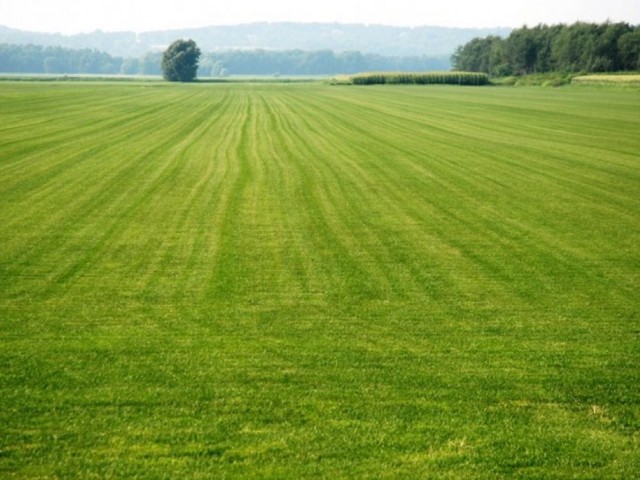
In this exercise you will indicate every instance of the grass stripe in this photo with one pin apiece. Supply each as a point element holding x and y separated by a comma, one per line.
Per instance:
<point>263,280</point>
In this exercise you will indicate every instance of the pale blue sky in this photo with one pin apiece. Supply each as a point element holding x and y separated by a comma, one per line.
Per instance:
<point>73,16</point>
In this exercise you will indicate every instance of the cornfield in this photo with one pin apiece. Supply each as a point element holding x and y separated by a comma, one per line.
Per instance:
<point>429,78</point>
<point>621,80</point>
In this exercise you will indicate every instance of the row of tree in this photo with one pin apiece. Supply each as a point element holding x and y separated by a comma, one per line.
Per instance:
<point>580,47</point>
<point>58,60</point>
<point>319,62</point>
<point>39,59</point>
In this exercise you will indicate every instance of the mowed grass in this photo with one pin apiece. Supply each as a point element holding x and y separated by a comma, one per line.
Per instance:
<point>306,281</point>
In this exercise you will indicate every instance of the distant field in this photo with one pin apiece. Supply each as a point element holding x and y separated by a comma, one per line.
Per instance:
<point>604,79</point>
<point>307,281</point>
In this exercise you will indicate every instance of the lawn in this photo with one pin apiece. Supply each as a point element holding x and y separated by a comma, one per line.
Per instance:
<point>314,281</point>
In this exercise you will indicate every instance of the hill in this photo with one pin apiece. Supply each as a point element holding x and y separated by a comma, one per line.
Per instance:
<point>376,39</point>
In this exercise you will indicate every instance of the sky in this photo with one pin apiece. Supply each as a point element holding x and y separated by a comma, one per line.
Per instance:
<point>75,16</point>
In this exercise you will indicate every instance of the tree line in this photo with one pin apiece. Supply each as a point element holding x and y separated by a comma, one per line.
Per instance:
<point>59,60</point>
<point>580,47</point>
<point>318,62</point>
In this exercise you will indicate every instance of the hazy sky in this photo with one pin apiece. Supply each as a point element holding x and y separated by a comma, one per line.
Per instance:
<point>73,16</point>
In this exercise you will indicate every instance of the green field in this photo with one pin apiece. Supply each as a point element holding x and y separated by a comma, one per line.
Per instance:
<point>314,281</point>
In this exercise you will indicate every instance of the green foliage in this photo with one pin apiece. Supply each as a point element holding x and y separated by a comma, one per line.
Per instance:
<point>302,281</point>
<point>180,61</point>
<point>318,62</point>
<point>38,59</point>
<point>31,59</point>
<point>428,78</point>
<point>151,64</point>
<point>581,47</point>
<point>551,79</point>
<point>130,66</point>
<point>479,55</point>
<point>629,47</point>
<point>57,60</point>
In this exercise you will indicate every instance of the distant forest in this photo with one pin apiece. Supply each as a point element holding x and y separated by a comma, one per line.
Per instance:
<point>284,48</point>
<point>35,59</point>
<point>580,47</point>
<point>279,36</point>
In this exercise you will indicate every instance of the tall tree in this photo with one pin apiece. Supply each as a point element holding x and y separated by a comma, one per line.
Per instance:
<point>180,61</point>
<point>522,50</point>
<point>629,49</point>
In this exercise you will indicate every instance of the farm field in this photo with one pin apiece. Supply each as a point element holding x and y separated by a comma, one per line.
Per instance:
<point>626,80</point>
<point>313,281</point>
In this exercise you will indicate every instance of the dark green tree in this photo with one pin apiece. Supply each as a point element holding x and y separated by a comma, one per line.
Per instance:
<point>629,48</point>
<point>180,61</point>
<point>607,55</point>
<point>522,50</point>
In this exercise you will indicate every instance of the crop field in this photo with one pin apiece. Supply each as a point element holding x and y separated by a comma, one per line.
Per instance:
<point>603,79</point>
<point>426,78</point>
<point>315,281</point>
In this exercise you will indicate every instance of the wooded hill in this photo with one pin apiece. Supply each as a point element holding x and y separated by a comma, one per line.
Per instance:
<point>374,39</point>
